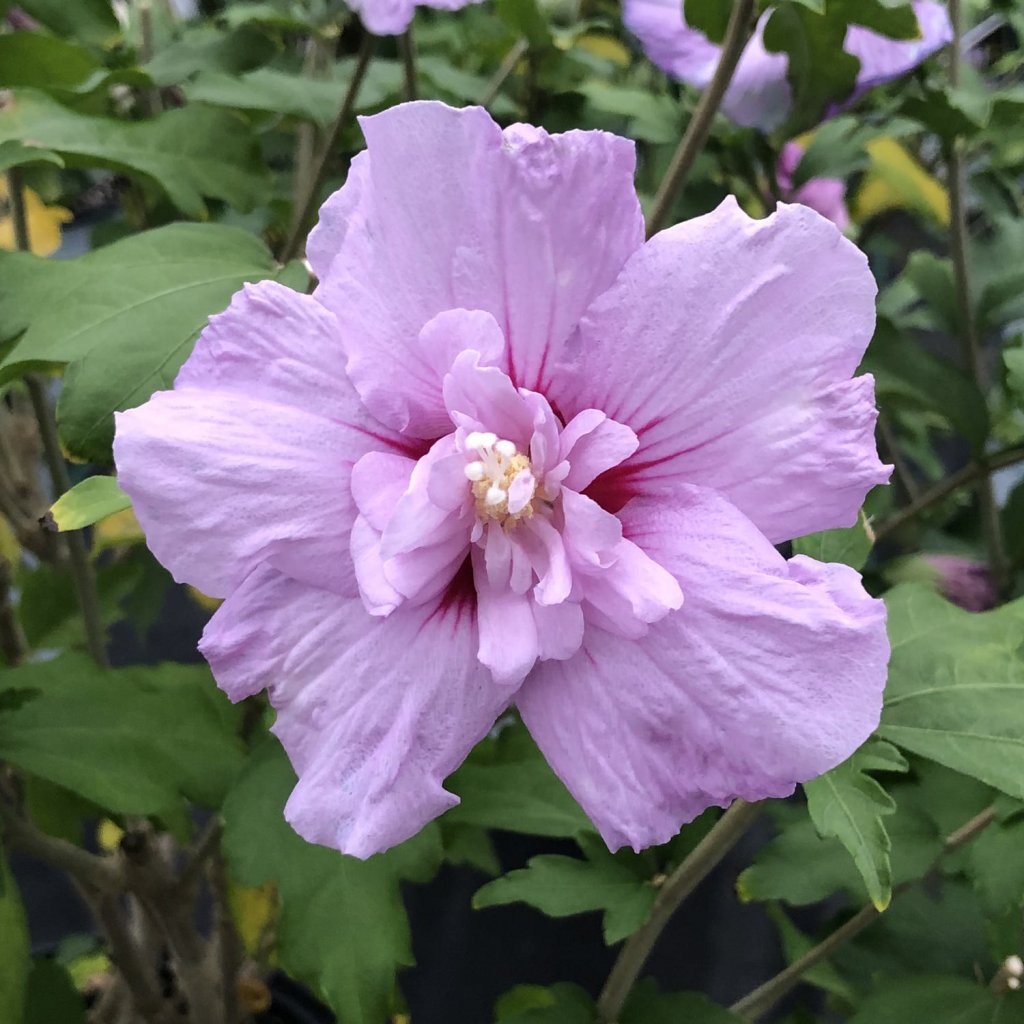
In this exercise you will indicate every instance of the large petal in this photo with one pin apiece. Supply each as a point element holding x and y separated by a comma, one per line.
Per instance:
<point>883,59</point>
<point>248,459</point>
<point>727,345</point>
<point>771,673</point>
<point>450,212</point>
<point>374,713</point>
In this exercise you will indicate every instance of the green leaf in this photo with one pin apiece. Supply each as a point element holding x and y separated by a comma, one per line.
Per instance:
<point>43,62</point>
<point>203,47</point>
<point>836,150</point>
<point>648,1005</point>
<point>892,18</point>
<point>712,16</point>
<point>996,867</point>
<point>526,19</point>
<point>14,947</point>
<point>562,886</point>
<point>14,154</point>
<point>850,545</point>
<point>952,111</point>
<point>820,71</point>
<point>190,152</point>
<point>90,21</point>
<point>88,502</point>
<point>132,740</point>
<point>795,944</point>
<point>51,997</point>
<point>848,804</point>
<point>956,686</point>
<point>130,316</point>
<point>1014,360</point>
<point>938,999</point>
<point>342,926</point>
<point>507,784</point>
<point>561,1003</point>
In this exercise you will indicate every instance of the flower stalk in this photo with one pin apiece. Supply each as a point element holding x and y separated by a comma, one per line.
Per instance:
<point>300,225</point>
<point>708,853</point>
<point>78,557</point>
<point>738,32</point>
<point>407,48</point>
<point>971,344</point>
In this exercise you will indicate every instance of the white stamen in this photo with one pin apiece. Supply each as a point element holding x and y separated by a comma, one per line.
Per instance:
<point>481,439</point>
<point>495,495</point>
<point>475,471</point>
<point>506,448</point>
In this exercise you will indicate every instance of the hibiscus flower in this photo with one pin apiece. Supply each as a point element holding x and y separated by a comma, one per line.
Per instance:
<point>509,453</point>
<point>393,17</point>
<point>759,95</point>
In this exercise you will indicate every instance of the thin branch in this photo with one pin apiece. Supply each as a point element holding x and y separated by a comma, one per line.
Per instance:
<point>13,645</point>
<point>694,869</point>
<point>407,48</point>
<point>295,240</point>
<point>765,996</point>
<point>505,69</point>
<point>205,847</point>
<point>944,488</point>
<point>741,25</point>
<point>82,572</point>
<point>94,873</point>
<point>972,350</point>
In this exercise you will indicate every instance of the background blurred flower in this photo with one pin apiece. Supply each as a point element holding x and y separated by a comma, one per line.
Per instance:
<point>826,195</point>
<point>759,94</point>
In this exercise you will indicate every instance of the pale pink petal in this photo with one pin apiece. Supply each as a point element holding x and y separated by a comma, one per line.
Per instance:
<point>453,213</point>
<point>384,17</point>
<point>487,398</point>
<point>379,479</point>
<point>590,533</point>
<point>559,629</point>
<point>546,552</point>
<point>509,643</point>
<point>727,345</point>
<point>379,597</point>
<point>374,713</point>
<point>592,451</point>
<point>221,483</point>
<point>770,674</point>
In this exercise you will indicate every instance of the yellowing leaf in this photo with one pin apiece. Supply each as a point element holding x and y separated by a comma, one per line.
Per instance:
<point>10,549</point>
<point>121,528</point>
<point>211,604</point>
<point>88,502</point>
<point>605,47</point>
<point>253,909</point>
<point>43,222</point>
<point>896,181</point>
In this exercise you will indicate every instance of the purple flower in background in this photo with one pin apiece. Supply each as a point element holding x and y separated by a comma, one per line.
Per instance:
<point>508,453</point>
<point>759,95</point>
<point>964,581</point>
<point>392,17</point>
<point>826,195</point>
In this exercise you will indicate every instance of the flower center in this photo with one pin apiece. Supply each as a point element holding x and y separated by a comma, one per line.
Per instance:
<point>502,479</point>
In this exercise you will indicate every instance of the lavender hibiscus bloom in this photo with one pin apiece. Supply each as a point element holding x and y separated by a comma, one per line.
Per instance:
<point>508,453</point>
<point>393,17</point>
<point>826,195</point>
<point>759,95</point>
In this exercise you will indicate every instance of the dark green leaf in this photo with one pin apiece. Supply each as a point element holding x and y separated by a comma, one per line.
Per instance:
<point>507,784</point>
<point>796,944</point>
<point>51,997</point>
<point>14,154</point>
<point>836,150</point>
<point>712,16</point>
<point>848,804</point>
<point>132,740</point>
<point>525,17</point>
<point>938,999</point>
<point>342,928</point>
<point>562,886</point>
<point>850,545</point>
<point>205,48</point>
<point>893,18</point>
<point>190,152</point>
<point>91,21</point>
<point>956,686</point>
<point>43,62</point>
<point>820,71</point>
<point>14,948</point>
<point>995,863</point>
<point>648,1005</point>
<point>131,314</point>
<point>561,1003</point>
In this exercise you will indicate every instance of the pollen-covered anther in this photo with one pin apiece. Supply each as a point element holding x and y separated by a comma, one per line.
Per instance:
<point>502,479</point>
